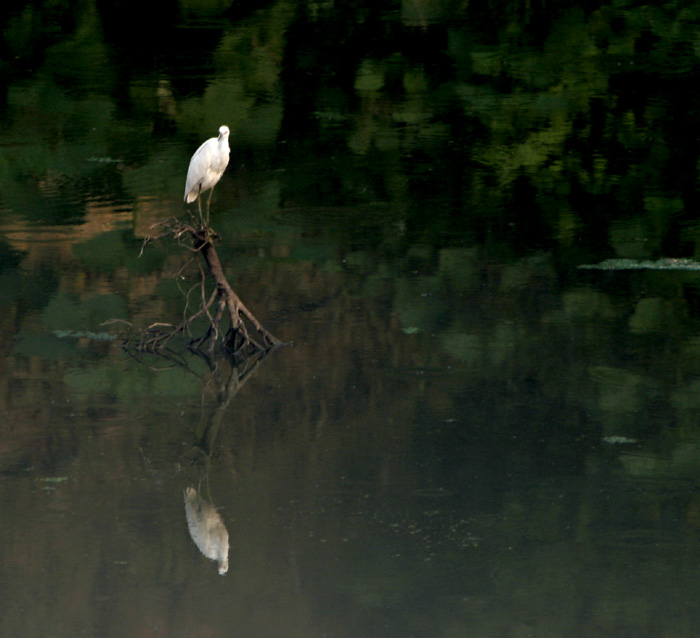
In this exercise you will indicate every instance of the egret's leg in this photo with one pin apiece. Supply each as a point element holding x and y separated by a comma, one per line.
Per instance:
<point>211,192</point>
<point>199,205</point>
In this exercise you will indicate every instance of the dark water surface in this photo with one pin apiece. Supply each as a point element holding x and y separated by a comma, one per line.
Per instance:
<point>472,435</point>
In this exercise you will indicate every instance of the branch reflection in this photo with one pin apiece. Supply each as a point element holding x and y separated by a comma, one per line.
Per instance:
<point>204,522</point>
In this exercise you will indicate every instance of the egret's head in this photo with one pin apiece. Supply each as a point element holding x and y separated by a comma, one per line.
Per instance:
<point>223,132</point>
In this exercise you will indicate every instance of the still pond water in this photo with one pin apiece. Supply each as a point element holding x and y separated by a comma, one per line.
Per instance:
<point>478,225</point>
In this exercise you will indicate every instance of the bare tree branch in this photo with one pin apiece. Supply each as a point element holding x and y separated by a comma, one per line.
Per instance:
<point>236,339</point>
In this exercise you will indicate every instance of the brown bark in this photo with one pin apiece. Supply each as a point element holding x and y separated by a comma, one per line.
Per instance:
<point>231,325</point>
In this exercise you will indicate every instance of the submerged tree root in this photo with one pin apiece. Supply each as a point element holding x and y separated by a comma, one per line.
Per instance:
<point>232,327</point>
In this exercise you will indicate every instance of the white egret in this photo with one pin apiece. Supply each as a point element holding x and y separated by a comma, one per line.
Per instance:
<point>206,168</point>
<point>206,528</point>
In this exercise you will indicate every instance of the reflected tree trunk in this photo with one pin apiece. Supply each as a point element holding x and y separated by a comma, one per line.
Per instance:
<point>228,387</point>
<point>205,525</point>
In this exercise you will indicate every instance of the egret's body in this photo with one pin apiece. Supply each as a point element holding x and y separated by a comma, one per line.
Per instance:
<point>206,168</point>
<point>207,529</point>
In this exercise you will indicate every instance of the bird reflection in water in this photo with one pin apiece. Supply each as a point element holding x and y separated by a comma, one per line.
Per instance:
<point>206,528</point>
